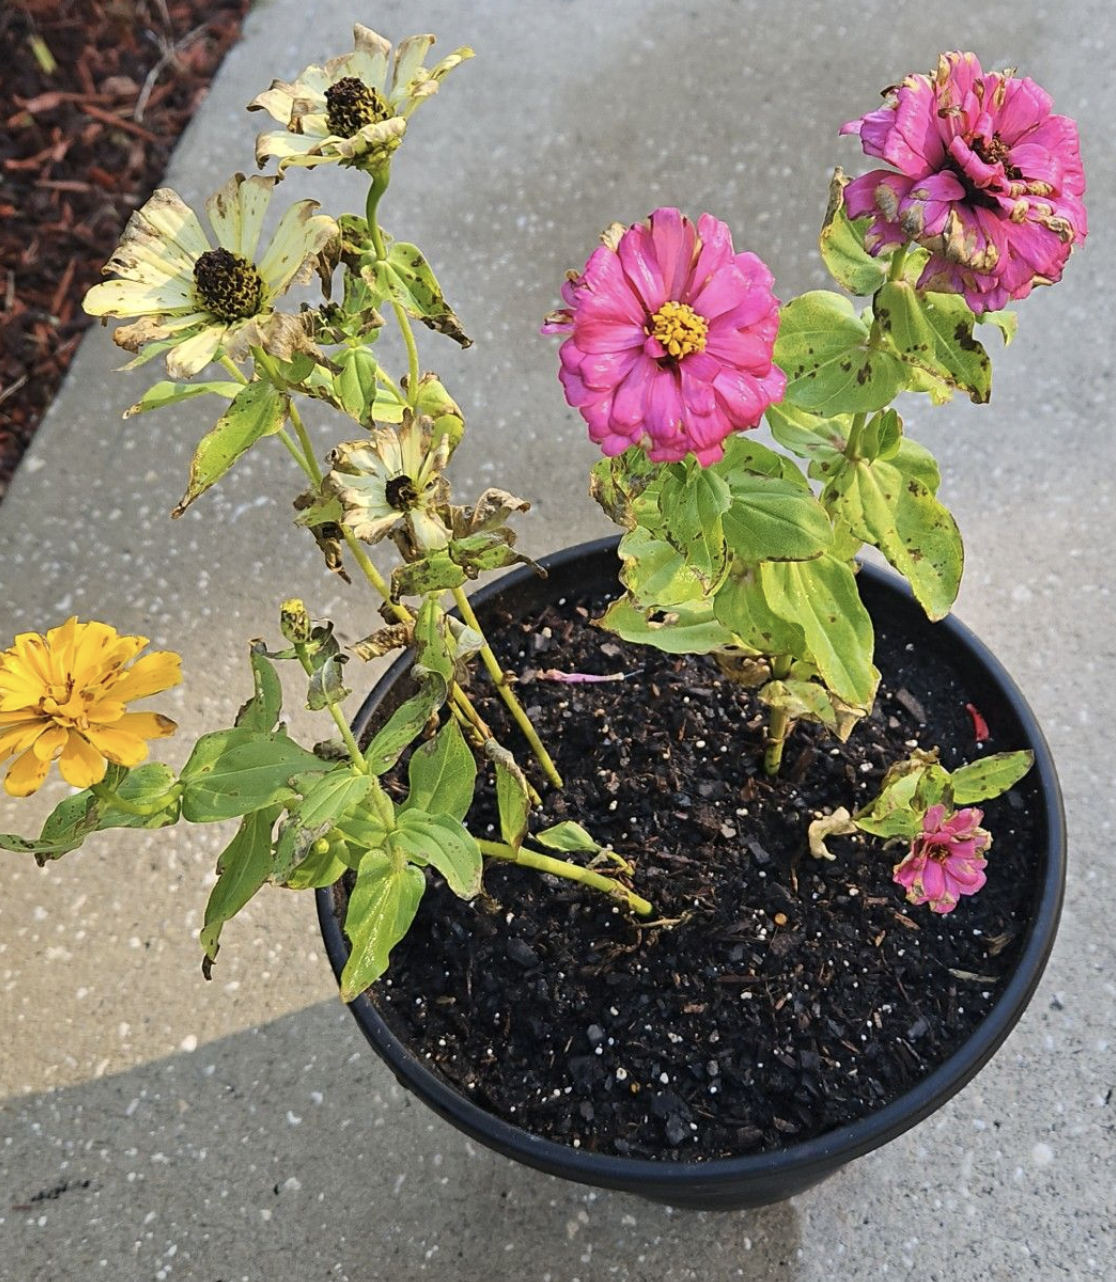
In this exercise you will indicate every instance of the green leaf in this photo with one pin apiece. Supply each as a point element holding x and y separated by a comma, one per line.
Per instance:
<point>896,811</point>
<point>442,775</point>
<point>68,829</point>
<point>916,460</point>
<point>842,245</point>
<point>692,500</point>
<point>261,712</point>
<point>513,800</point>
<point>259,410</point>
<point>682,630</point>
<point>233,772</point>
<point>436,572</point>
<point>406,723</point>
<point>381,908</point>
<point>656,573</point>
<point>882,436</point>
<point>431,648</point>
<point>934,333</point>
<point>742,606</point>
<point>445,844</point>
<point>355,383</point>
<point>822,440</point>
<point>831,369</point>
<point>900,516</point>
<point>242,868</point>
<point>1006,322</point>
<point>616,483</point>
<point>568,836</point>
<point>74,818</point>
<point>821,597</point>
<point>320,868</point>
<point>326,799</point>
<point>800,700</point>
<point>408,278</point>
<point>982,780</point>
<point>774,520</point>
<point>164,393</point>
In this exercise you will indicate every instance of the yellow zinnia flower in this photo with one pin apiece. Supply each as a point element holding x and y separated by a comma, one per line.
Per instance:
<point>62,698</point>
<point>197,300</point>
<point>347,112</point>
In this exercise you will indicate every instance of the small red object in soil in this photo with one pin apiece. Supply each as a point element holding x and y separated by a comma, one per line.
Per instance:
<point>980,726</point>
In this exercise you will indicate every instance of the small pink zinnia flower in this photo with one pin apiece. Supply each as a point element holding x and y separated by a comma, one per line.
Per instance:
<point>989,181</point>
<point>945,861</point>
<point>671,335</point>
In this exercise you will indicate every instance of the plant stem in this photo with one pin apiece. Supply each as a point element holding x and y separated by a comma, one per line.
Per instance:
<point>572,872</point>
<point>104,793</point>
<point>375,191</point>
<point>462,705</point>
<point>898,262</point>
<point>335,712</point>
<point>293,449</point>
<point>506,693</point>
<point>780,724</point>
<point>856,430</point>
<point>314,471</point>
<point>228,364</point>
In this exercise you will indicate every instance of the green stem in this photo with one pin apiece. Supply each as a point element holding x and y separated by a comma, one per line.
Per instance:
<point>315,472</point>
<point>338,716</point>
<point>780,724</point>
<point>461,705</point>
<point>228,364</point>
<point>104,793</point>
<point>375,191</point>
<point>572,872</point>
<point>293,449</point>
<point>506,693</point>
<point>895,273</point>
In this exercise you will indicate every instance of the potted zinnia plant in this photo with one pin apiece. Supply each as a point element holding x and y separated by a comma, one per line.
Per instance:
<point>655,864</point>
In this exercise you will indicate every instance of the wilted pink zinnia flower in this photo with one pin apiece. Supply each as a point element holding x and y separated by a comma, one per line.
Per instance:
<point>990,182</point>
<point>671,333</point>
<point>945,861</point>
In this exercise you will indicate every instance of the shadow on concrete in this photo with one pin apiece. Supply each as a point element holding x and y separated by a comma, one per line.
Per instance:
<point>288,1152</point>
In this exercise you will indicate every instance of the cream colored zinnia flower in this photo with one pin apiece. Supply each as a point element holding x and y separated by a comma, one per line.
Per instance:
<point>348,112</point>
<point>393,475</point>
<point>63,697</point>
<point>199,299</point>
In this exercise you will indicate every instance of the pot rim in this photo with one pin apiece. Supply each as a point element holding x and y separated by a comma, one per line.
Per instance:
<point>830,1150</point>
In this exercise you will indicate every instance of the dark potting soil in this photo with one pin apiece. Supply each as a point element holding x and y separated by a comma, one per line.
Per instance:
<point>774,995</point>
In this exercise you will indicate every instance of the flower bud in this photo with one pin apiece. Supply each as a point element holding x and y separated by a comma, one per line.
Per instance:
<point>294,621</point>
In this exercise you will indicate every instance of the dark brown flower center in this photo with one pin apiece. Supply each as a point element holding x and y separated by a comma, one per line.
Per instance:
<point>227,285</point>
<point>351,104</point>
<point>401,493</point>
<point>994,151</point>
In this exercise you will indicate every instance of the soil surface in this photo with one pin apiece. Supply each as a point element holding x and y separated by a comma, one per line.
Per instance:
<point>94,94</point>
<point>779,995</point>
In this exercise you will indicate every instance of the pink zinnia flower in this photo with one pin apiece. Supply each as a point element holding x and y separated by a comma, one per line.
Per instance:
<point>989,181</point>
<point>945,861</point>
<point>671,334</point>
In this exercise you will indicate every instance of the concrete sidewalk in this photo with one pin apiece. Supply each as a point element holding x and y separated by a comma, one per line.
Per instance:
<point>155,1127</point>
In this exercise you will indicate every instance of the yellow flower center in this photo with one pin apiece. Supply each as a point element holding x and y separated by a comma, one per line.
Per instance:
<point>351,105</point>
<point>227,285</point>
<point>680,329</point>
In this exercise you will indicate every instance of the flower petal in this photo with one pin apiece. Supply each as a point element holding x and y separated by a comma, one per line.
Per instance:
<point>150,674</point>
<point>80,764</point>
<point>26,775</point>
<point>299,236</point>
<point>195,353</point>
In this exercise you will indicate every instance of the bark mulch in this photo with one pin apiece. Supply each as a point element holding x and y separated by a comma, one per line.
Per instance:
<point>94,94</point>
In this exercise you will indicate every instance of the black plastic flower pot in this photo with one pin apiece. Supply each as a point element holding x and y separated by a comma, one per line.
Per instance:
<point>753,1179</point>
